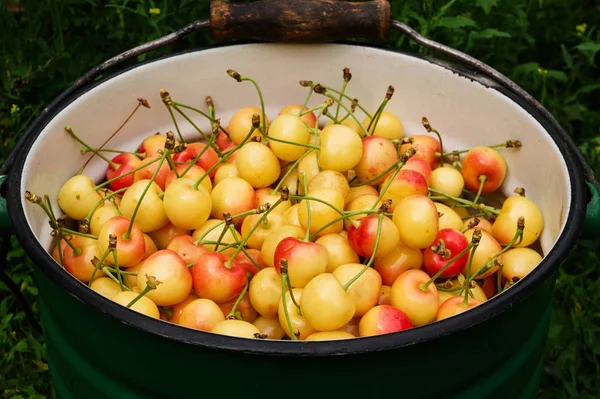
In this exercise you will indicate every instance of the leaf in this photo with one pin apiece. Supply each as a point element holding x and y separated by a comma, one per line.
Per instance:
<point>557,75</point>
<point>486,5</point>
<point>490,33</point>
<point>589,88</point>
<point>589,49</point>
<point>458,21</point>
<point>445,8</point>
<point>566,56</point>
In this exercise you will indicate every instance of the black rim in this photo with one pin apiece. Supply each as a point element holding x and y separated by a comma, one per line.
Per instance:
<point>479,314</point>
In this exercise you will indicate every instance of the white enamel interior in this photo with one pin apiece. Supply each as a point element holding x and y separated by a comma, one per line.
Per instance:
<point>466,112</point>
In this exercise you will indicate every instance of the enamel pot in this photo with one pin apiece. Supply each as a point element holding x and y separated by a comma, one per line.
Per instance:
<point>99,349</point>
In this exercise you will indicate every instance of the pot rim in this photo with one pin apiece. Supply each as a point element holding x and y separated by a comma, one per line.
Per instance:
<point>487,310</point>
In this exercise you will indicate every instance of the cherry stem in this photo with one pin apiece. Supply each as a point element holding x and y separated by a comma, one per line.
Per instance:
<point>107,197</point>
<point>253,229</point>
<point>117,268</point>
<point>141,102</point>
<point>306,100</point>
<point>482,180</point>
<point>37,200</point>
<point>190,121</point>
<point>228,223</point>
<point>427,126</point>
<point>110,275</point>
<point>211,107</point>
<point>151,284</point>
<point>347,215</point>
<point>107,182</point>
<point>302,197</point>
<point>380,217</point>
<point>331,89</point>
<point>76,250</point>
<point>175,103</point>
<point>506,144</point>
<point>98,264</point>
<point>166,153</point>
<point>284,277</point>
<point>169,104</point>
<point>64,230</point>
<point>372,126</point>
<point>241,78</point>
<point>290,170</point>
<point>137,154</point>
<point>60,251</point>
<point>470,204</point>
<point>308,207</point>
<point>231,314</point>
<point>69,130</point>
<point>365,131</point>
<point>467,287</point>
<point>347,77</point>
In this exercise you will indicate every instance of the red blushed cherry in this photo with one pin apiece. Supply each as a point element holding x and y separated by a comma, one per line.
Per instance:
<point>208,159</point>
<point>453,243</point>
<point>223,141</point>
<point>306,260</point>
<point>426,147</point>
<point>185,247</point>
<point>127,163</point>
<point>383,319</point>
<point>246,263</point>
<point>213,280</point>
<point>362,239</point>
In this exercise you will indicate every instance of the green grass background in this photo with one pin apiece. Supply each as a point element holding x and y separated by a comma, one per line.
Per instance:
<point>549,47</point>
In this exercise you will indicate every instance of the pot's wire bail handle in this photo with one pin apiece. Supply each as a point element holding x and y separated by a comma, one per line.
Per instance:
<point>300,21</point>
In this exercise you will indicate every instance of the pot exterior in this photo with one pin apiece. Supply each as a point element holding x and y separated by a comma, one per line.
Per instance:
<point>94,356</point>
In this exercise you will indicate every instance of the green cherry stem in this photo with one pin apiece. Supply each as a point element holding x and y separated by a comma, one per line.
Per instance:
<point>265,209</point>
<point>137,154</point>
<point>375,120</point>
<point>482,180</point>
<point>211,108</point>
<point>331,89</point>
<point>506,144</point>
<point>228,222</point>
<point>347,77</point>
<point>427,126</point>
<point>308,207</point>
<point>190,121</point>
<point>347,215</point>
<point>364,269</point>
<point>284,277</point>
<point>241,78</point>
<point>69,130</point>
<point>97,263</point>
<point>470,204</point>
<point>107,182</point>
<point>290,170</point>
<point>201,113</point>
<point>64,230</point>
<point>106,198</point>
<point>231,314</point>
<point>116,266</point>
<point>142,102</point>
<point>151,284</point>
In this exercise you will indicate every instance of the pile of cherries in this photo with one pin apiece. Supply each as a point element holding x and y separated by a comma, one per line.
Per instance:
<point>315,225</point>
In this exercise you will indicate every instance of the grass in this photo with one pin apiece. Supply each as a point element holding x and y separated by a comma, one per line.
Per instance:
<point>549,47</point>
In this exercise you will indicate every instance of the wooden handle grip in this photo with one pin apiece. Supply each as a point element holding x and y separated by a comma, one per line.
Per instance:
<point>300,20</point>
